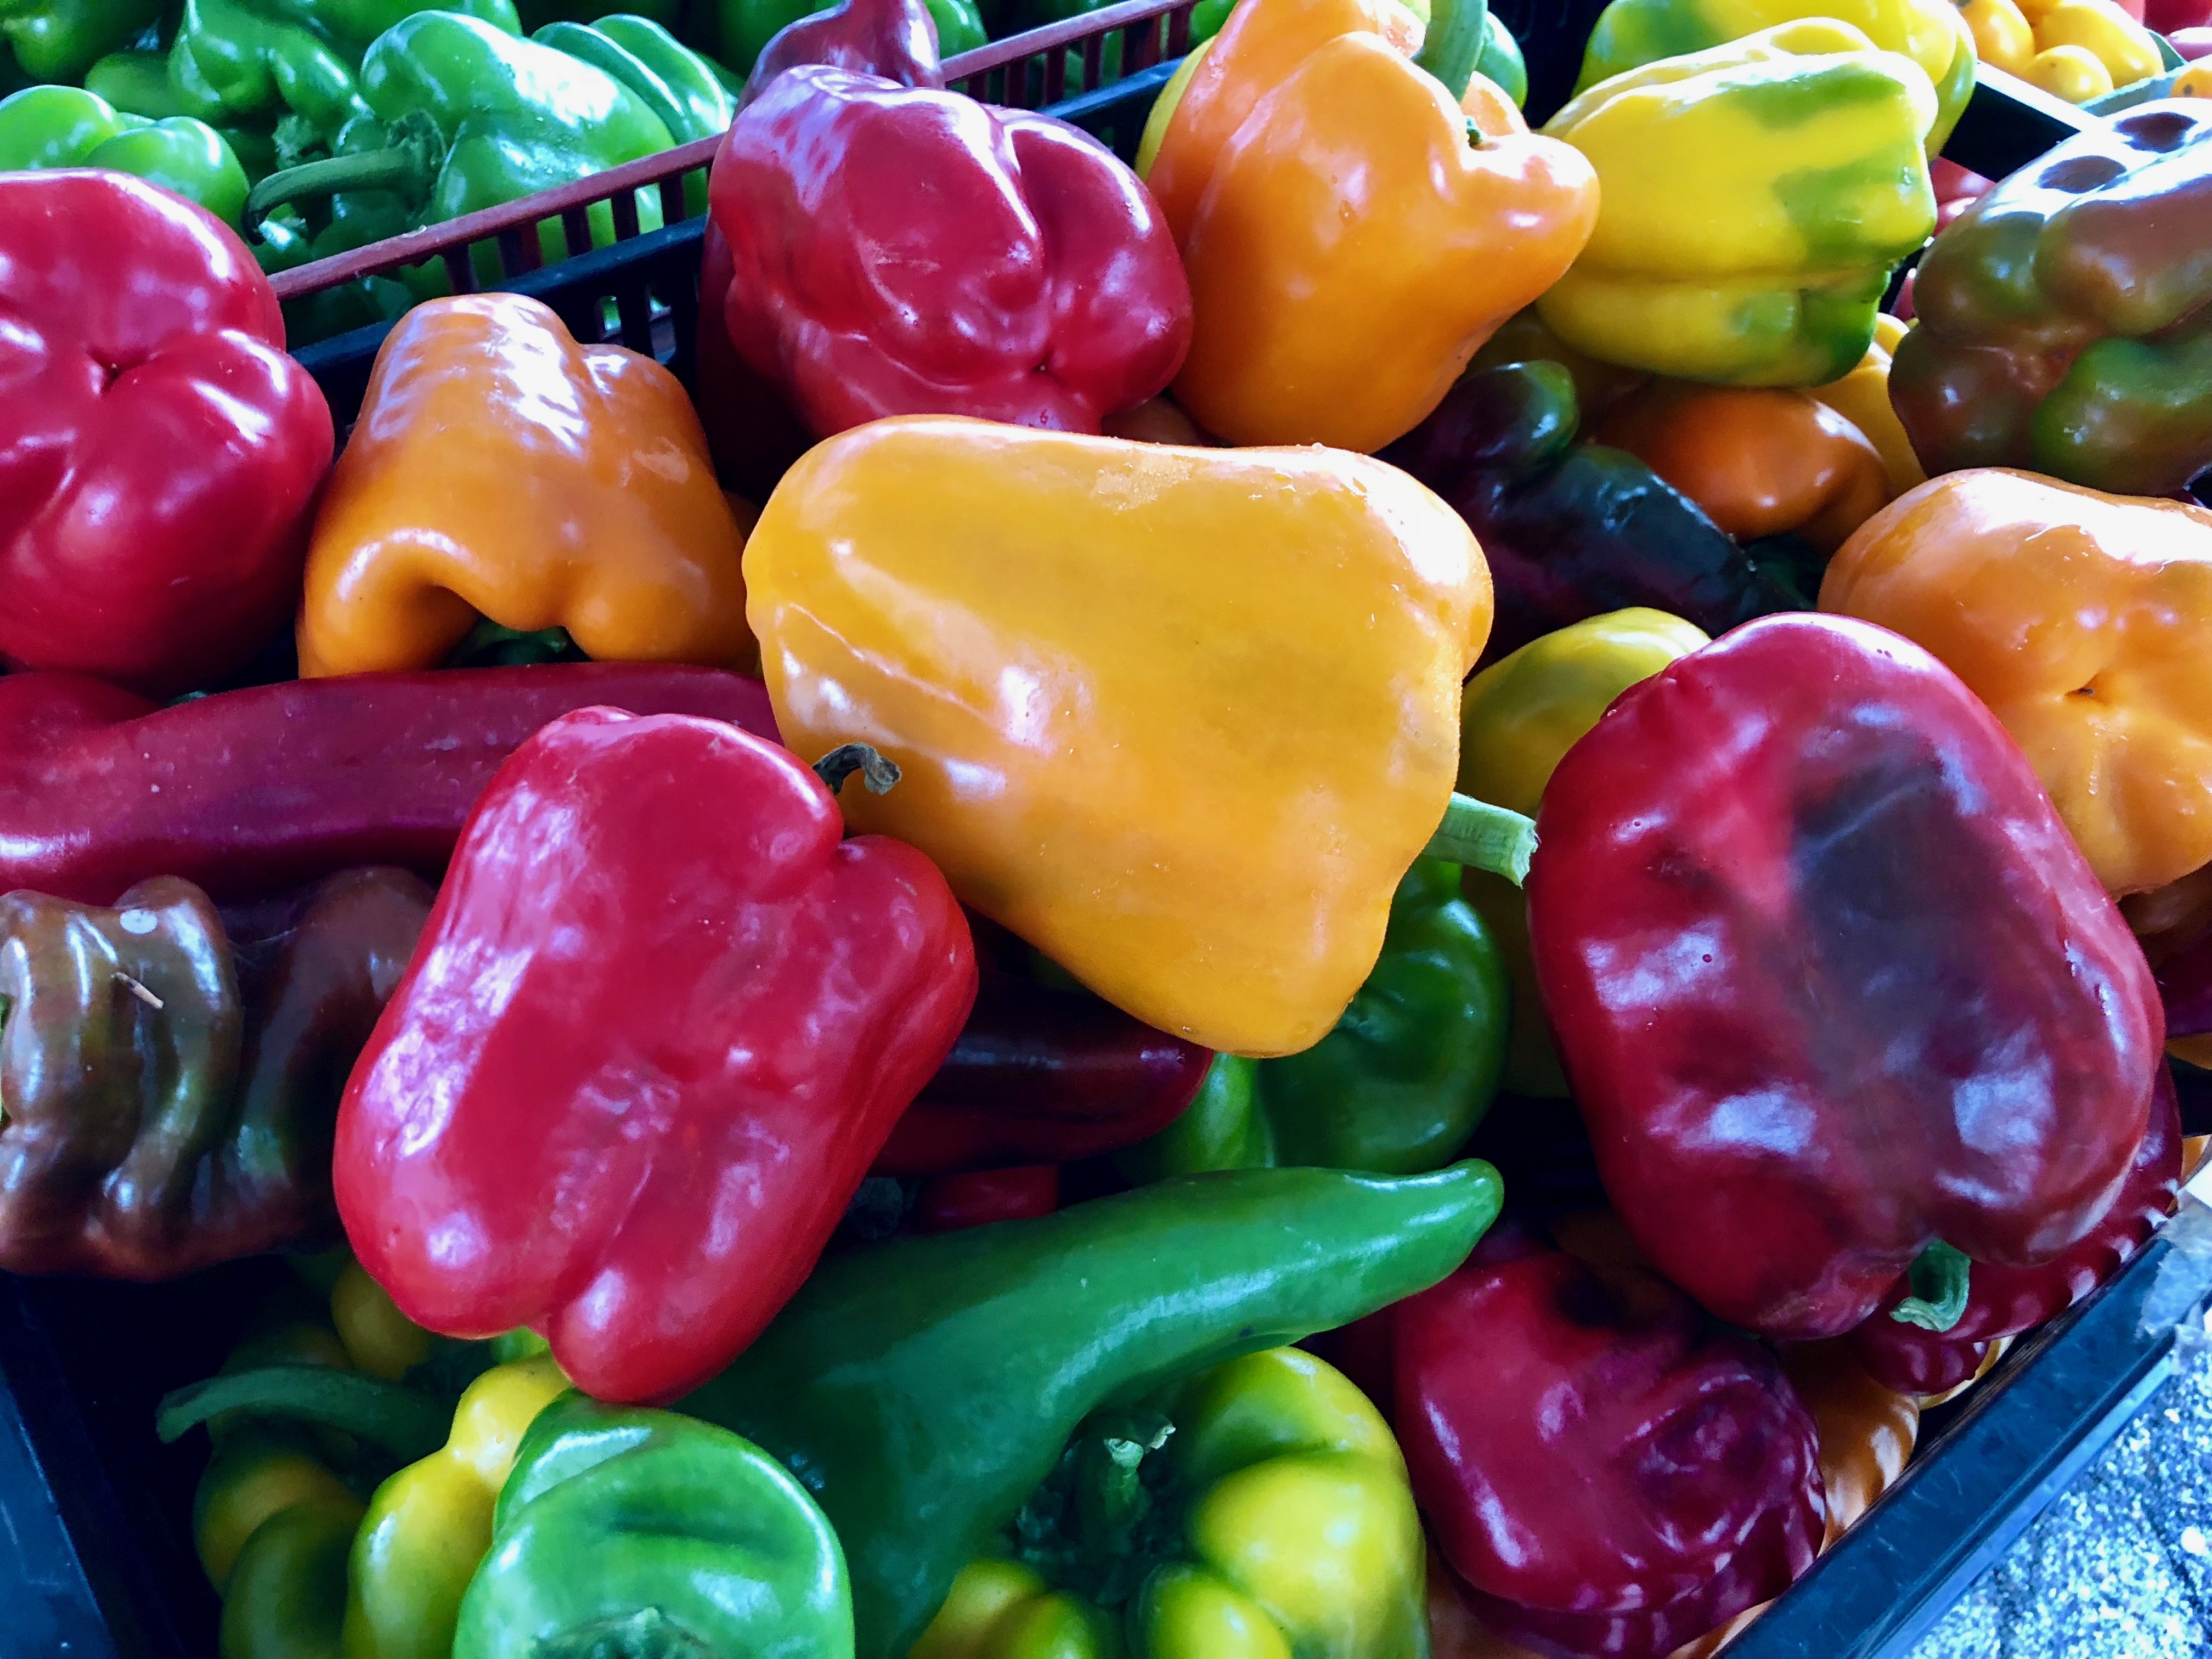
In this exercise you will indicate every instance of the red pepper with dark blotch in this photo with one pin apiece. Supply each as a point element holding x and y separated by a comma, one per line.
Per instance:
<point>661,1019</point>
<point>1605,1474</point>
<point>1831,981</point>
<point>894,39</point>
<point>159,452</point>
<point>2006,1301</point>
<point>1041,1073</point>
<point>250,793</point>
<point>906,250</point>
<point>954,1203</point>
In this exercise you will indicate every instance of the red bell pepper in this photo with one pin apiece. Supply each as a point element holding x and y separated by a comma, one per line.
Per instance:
<point>894,38</point>
<point>249,793</point>
<point>661,1020</point>
<point>902,251</point>
<point>159,452</point>
<point>2006,1301</point>
<point>1832,983</point>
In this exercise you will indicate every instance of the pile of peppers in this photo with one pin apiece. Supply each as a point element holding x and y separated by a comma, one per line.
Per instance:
<point>1355,894</point>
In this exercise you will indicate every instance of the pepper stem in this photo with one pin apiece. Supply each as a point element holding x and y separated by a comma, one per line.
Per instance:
<point>1481,837</point>
<point>1453,45</point>
<point>1939,1280</point>
<point>876,771</point>
<point>405,1422</point>
<point>409,164</point>
<point>648,1633</point>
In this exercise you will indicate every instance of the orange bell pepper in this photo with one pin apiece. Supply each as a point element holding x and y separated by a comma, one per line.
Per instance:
<point>1349,243</point>
<point>1761,461</point>
<point>500,470</point>
<point>2081,619</point>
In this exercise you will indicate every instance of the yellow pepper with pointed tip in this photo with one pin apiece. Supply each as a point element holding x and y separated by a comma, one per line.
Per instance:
<point>1180,718</point>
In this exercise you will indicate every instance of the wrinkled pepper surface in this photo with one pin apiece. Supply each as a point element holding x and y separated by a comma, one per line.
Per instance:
<point>159,452</point>
<point>2065,319</point>
<point>896,40</point>
<point>60,39</point>
<point>1033,282</point>
<point>1301,118</point>
<point>1260,1507</point>
<point>926,1388</point>
<point>500,470</point>
<point>1095,718</point>
<point>2076,617</point>
<point>171,1084</point>
<point>1756,198</point>
<point>58,126</point>
<point>777,1021</point>
<point>1801,913</point>
<point>248,792</point>
<point>645,1532</point>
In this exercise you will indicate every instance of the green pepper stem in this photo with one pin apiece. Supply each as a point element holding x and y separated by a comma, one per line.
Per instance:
<point>409,164</point>
<point>405,1422</point>
<point>648,1633</point>
<point>1939,1277</point>
<point>876,771</point>
<point>1453,45</point>
<point>1481,837</point>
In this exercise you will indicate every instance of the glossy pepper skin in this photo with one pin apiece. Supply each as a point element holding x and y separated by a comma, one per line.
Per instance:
<point>500,470</point>
<point>248,792</point>
<point>925,1388</point>
<point>896,40</point>
<point>1900,932</point>
<point>1301,116</point>
<point>1756,198</point>
<point>1861,397</point>
<point>2065,319</point>
<point>1571,531</point>
<point>60,39</point>
<point>2002,1302</point>
<point>158,453</point>
<point>675,82</point>
<point>58,126</point>
<point>778,1018</point>
<point>1033,284</point>
<point>2075,616</point>
<point>1285,1493</point>
<point>148,1134</point>
<point>1041,1074</point>
<point>1181,819</point>
<point>1694,1490</point>
<point>627,1525</point>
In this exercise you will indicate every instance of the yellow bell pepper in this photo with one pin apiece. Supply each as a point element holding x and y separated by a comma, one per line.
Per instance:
<point>379,1339</point>
<point>1757,196</point>
<point>1861,397</point>
<point>1349,242</point>
<point>1180,718</point>
<point>501,472</point>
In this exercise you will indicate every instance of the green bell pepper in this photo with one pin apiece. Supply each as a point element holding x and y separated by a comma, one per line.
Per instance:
<point>72,127</point>
<point>537,13</point>
<point>924,1388</point>
<point>960,27</point>
<point>675,82</point>
<point>1502,61</point>
<point>1261,1507</point>
<point>136,82</point>
<point>287,1594</point>
<point>638,1532</point>
<point>1400,1084</point>
<point>60,39</point>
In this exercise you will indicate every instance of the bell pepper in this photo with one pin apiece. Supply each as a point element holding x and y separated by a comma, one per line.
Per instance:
<point>1041,1072</point>
<point>676,83</point>
<point>1861,397</point>
<point>1603,1473</point>
<point>1933,34</point>
<point>777,1023</point>
<point>1572,530</point>
<point>1033,282</point>
<point>1301,116</point>
<point>1276,1515</point>
<point>641,1531</point>
<point>2002,1302</point>
<point>430,1524</point>
<point>1757,196</point>
<point>2075,616</point>
<point>170,1086</point>
<point>2065,319</point>
<point>1502,63</point>
<point>1182,883</point>
<point>286,1597</point>
<point>56,126</point>
<point>896,40</point>
<point>1800,912</point>
<point>500,470</point>
<point>924,1388</point>
<point>248,792</point>
<point>60,39</point>
<point>153,514</point>
<point>1400,1084</point>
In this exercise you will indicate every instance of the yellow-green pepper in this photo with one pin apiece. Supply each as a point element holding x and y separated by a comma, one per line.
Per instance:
<point>1754,198</point>
<point>1258,1510</point>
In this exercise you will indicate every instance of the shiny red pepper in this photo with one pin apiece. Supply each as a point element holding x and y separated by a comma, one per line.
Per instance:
<point>661,1018</point>
<point>2005,1301</point>
<point>894,38</point>
<point>249,793</point>
<point>1830,979</point>
<point>903,251</point>
<point>159,452</point>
